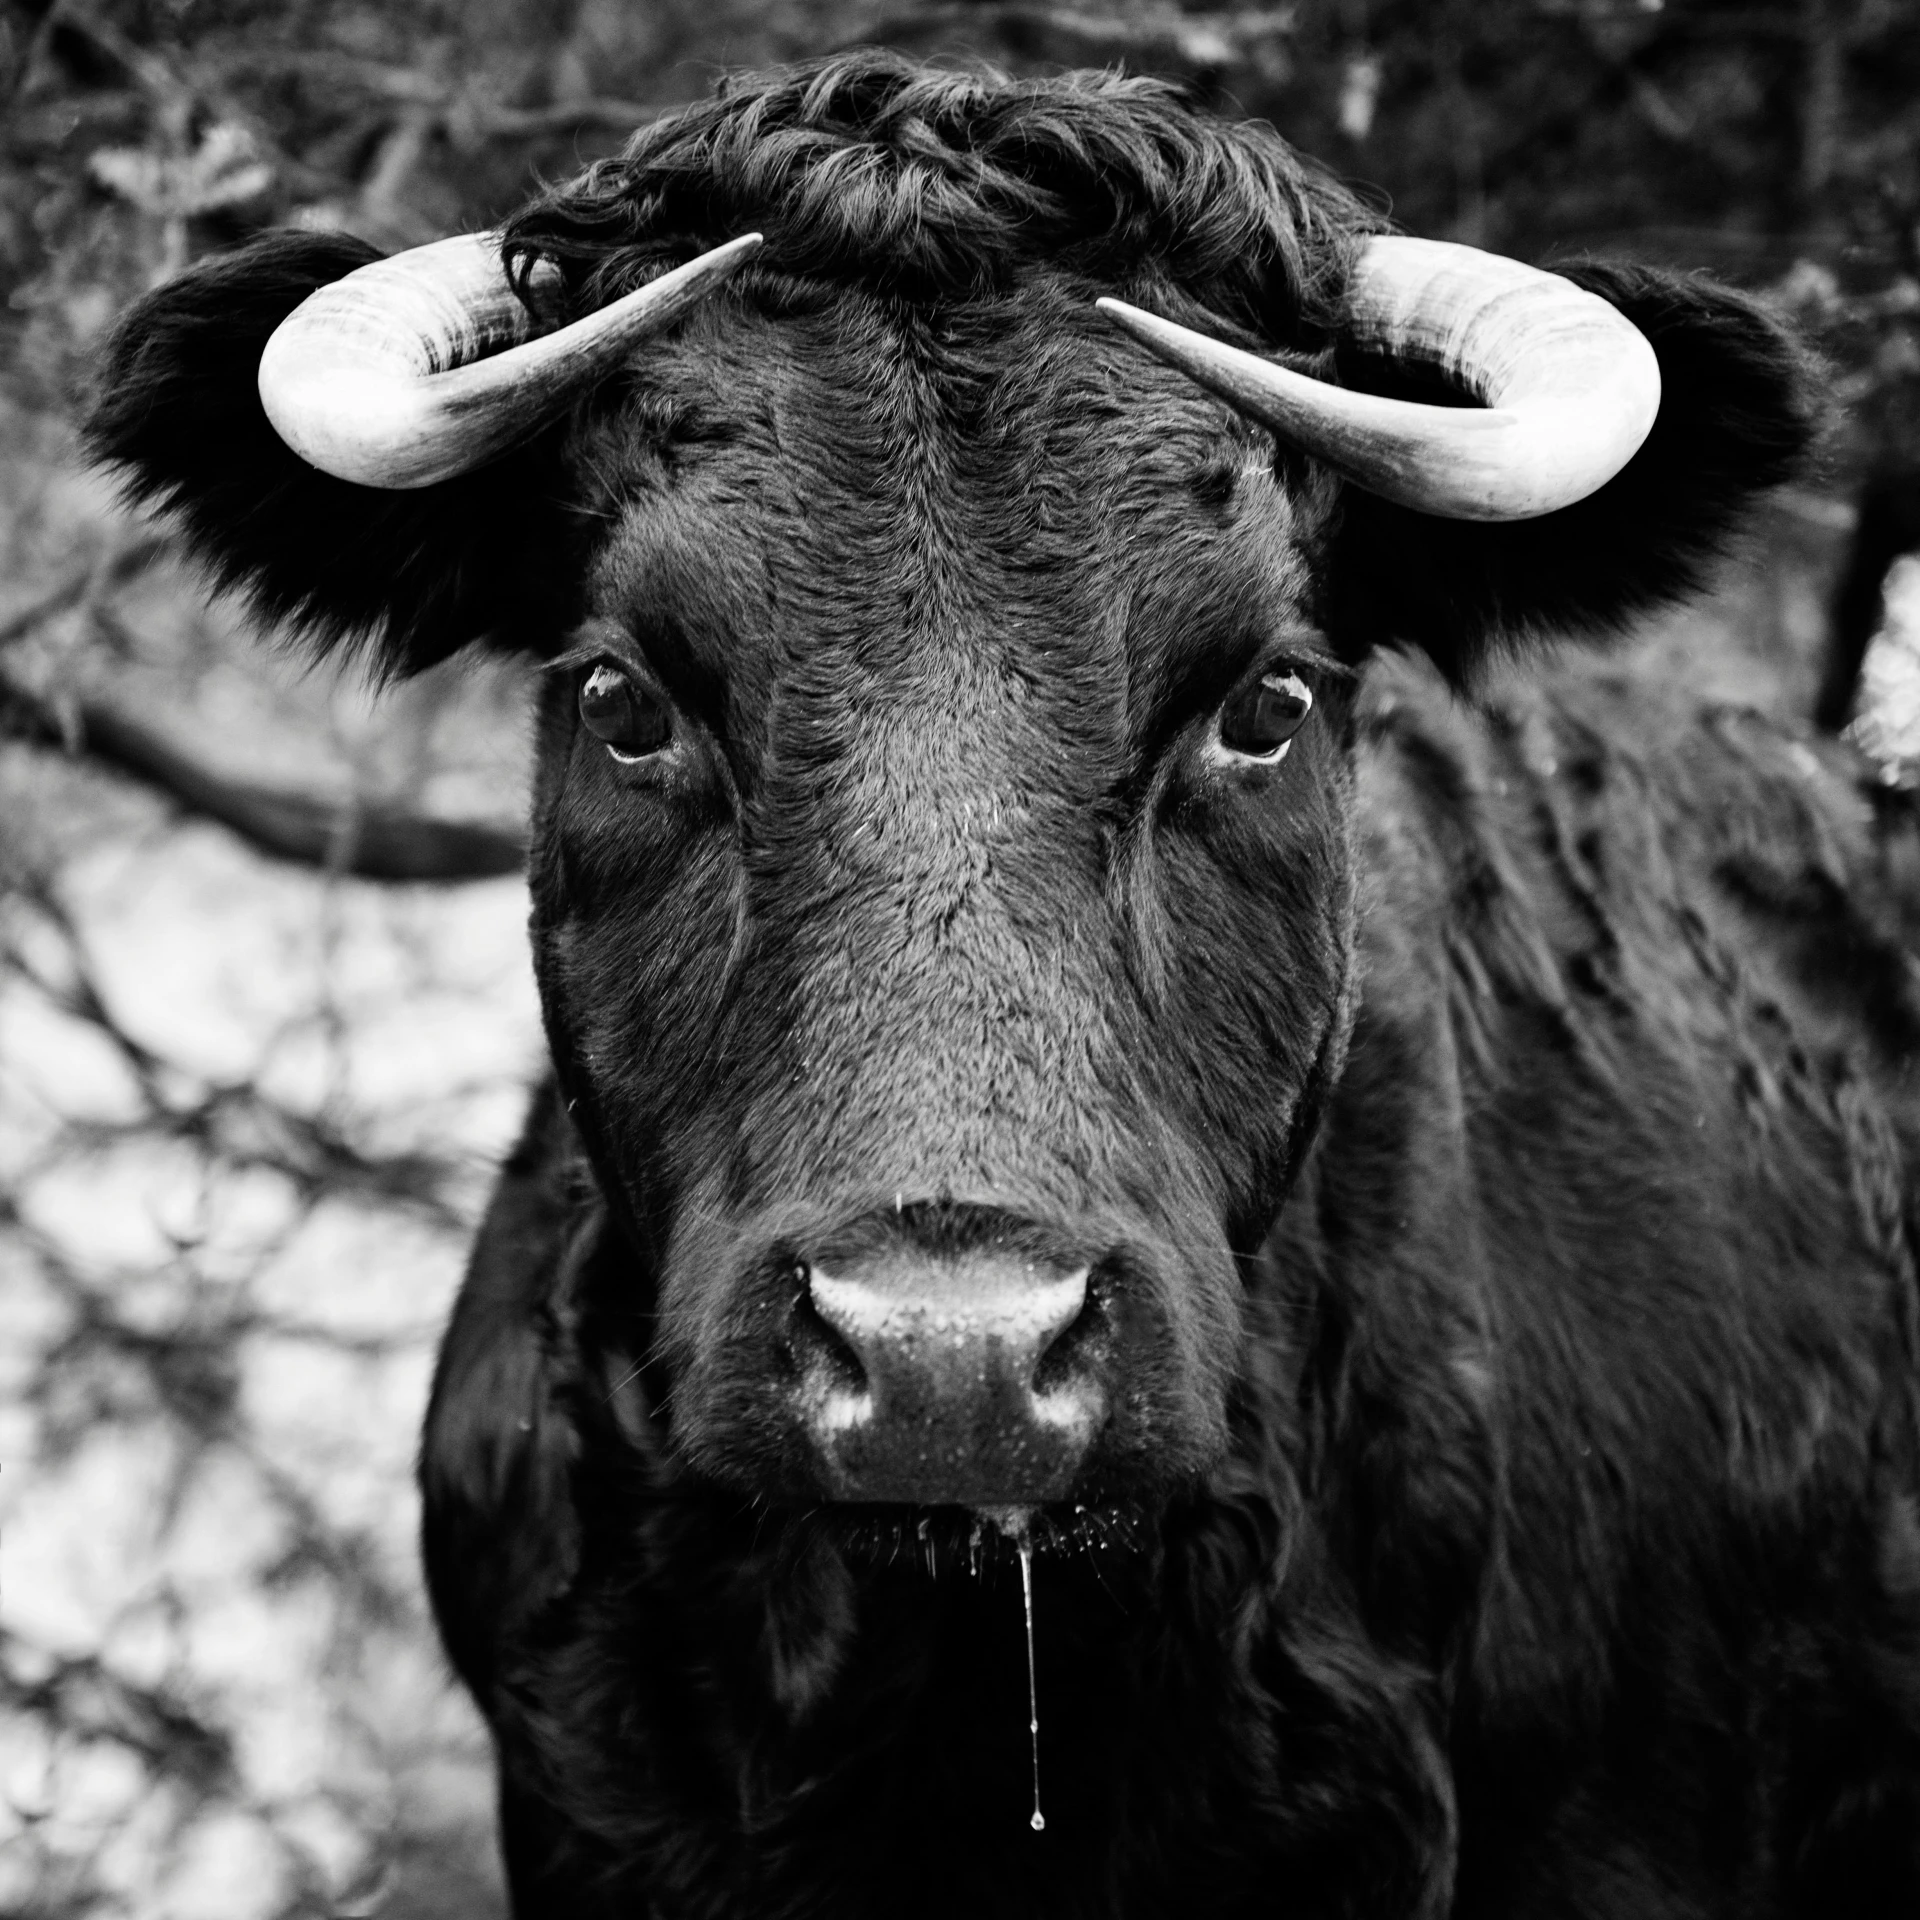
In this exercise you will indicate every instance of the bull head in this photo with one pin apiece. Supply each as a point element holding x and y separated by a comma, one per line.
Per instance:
<point>994,1346</point>
<point>943,972</point>
<point>417,368</point>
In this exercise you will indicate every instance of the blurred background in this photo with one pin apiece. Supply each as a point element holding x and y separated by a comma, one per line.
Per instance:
<point>265,1016</point>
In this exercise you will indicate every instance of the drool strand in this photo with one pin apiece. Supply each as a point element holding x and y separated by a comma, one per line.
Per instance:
<point>1039,1820</point>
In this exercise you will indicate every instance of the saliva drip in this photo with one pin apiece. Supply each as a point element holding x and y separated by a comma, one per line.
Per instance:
<point>1016,1524</point>
<point>1039,1820</point>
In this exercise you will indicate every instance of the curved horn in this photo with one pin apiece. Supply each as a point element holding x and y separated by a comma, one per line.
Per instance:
<point>426,365</point>
<point>1569,386</point>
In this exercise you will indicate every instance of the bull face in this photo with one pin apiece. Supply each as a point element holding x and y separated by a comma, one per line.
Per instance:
<point>942,893</point>
<point>942,897</point>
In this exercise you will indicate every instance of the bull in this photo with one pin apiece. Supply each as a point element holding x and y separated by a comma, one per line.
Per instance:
<point>1125,1037</point>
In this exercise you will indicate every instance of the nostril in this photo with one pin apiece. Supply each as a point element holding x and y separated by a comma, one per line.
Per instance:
<point>1071,1354</point>
<point>817,1340</point>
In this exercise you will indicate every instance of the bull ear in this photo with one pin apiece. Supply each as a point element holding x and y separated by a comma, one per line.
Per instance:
<point>408,577</point>
<point>1739,410</point>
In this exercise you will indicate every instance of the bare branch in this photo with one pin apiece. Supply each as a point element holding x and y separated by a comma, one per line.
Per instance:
<point>461,111</point>
<point>614,116</point>
<point>81,584</point>
<point>64,591</point>
<point>370,841</point>
<point>85,1696</point>
<point>1202,40</point>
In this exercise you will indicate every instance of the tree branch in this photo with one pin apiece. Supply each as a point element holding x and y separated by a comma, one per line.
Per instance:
<point>464,111</point>
<point>1205,40</point>
<point>369,841</point>
<point>82,583</point>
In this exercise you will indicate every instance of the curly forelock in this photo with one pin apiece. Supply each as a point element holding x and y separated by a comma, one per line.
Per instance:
<point>935,184</point>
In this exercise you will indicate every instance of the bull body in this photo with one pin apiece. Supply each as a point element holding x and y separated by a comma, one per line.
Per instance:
<point>1409,1217</point>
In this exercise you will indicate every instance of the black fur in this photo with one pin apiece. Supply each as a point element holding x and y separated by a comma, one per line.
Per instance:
<point>933,185</point>
<point>1737,412</point>
<point>405,578</point>
<point>1489,1127</point>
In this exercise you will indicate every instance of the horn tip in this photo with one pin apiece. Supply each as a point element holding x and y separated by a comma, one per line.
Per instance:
<point>725,260</point>
<point>1147,328</point>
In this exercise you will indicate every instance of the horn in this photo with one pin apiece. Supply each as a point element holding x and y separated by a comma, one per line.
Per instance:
<point>1568,385</point>
<point>426,365</point>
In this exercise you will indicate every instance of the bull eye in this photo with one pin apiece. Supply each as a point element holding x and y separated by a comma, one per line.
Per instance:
<point>1260,723</point>
<point>628,718</point>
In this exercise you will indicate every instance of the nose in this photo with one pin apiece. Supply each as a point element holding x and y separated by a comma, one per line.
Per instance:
<point>968,1376</point>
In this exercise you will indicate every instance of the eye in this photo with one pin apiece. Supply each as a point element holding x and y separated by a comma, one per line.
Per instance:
<point>630,720</point>
<point>1259,723</point>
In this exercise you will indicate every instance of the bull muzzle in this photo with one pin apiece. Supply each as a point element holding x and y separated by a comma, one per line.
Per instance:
<point>969,1377</point>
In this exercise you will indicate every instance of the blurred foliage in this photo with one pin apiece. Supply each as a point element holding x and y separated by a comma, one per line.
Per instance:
<point>1779,145</point>
<point>246,1107</point>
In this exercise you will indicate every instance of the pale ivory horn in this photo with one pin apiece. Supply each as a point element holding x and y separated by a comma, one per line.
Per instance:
<point>1568,385</point>
<point>426,365</point>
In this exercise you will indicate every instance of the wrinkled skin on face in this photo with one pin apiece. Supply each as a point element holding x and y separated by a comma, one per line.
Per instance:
<point>943,920</point>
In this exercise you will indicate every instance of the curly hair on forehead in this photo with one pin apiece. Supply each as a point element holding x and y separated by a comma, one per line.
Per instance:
<point>940,184</point>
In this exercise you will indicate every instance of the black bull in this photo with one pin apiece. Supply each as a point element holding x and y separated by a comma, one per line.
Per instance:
<point>1421,1220</point>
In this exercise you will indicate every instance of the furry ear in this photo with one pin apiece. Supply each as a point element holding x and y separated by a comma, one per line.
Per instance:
<point>1739,409</point>
<point>408,577</point>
